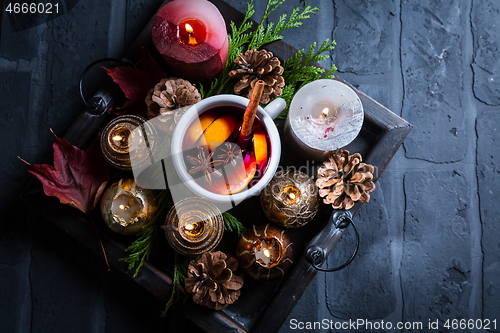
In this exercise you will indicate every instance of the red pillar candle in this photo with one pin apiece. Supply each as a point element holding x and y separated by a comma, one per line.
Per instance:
<point>192,38</point>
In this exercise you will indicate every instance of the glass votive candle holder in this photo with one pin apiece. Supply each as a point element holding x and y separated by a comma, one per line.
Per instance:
<point>128,141</point>
<point>194,226</point>
<point>324,115</point>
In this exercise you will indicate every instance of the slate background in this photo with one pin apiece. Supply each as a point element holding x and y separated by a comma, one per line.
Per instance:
<point>430,245</point>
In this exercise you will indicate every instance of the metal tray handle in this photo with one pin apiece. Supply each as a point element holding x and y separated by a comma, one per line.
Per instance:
<point>316,255</point>
<point>96,100</point>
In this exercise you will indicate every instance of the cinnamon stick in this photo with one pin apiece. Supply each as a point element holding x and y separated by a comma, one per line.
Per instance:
<point>251,110</point>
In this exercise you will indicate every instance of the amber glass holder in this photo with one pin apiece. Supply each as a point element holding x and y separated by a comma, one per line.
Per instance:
<point>194,226</point>
<point>125,134</point>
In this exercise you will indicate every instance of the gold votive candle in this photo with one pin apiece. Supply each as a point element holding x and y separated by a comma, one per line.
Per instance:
<point>126,208</point>
<point>290,199</point>
<point>264,252</point>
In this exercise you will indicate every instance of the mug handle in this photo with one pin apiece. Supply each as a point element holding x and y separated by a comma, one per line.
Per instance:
<point>274,108</point>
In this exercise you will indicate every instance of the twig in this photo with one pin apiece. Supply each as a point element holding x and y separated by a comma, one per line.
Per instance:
<point>23,160</point>
<point>53,132</point>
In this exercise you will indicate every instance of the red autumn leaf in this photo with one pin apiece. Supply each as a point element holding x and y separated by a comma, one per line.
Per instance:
<point>136,83</point>
<point>78,178</point>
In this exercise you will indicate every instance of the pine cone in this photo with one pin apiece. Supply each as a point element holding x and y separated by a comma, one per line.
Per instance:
<point>213,280</point>
<point>258,65</point>
<point>168,99</point>
<point>343,180</point>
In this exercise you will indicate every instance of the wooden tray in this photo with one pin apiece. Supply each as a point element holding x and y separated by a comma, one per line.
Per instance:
<point>263,306</point>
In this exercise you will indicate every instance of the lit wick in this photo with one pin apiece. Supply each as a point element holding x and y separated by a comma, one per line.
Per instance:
<point>322,113</point>
<point>191,230</point>
<point>324,116</point>
<point>290,195</point>
<point>189,30</point>
<point>126,208</point>
<point>121,138</point>
<point>267,253</point>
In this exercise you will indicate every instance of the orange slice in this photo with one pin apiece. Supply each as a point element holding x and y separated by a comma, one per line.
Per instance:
<point>260,146</point>
<point>235,178</point>
<point>195,131</point>
<point>218,131</point>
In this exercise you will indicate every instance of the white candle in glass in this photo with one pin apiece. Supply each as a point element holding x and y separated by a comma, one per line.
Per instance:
<point>324,115</point>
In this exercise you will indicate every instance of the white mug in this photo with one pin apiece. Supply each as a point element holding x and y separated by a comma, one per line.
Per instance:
<point>266,115</point>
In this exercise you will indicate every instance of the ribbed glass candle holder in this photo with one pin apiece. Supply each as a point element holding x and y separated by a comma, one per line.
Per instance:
<point>194,226</point>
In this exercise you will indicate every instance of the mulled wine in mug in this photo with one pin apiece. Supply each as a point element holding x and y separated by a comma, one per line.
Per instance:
<point>214,160</point>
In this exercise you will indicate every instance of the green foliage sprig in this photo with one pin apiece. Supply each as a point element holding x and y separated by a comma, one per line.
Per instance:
<point>181,264</point>
<point>231,223</point>
<point>271,32</point>
<point>146,241</point>
<point>298,70</point>
<point>242,38</point>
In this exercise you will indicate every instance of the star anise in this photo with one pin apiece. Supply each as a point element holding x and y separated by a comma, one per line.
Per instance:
<point>204,164</point>
<point>230,153</point>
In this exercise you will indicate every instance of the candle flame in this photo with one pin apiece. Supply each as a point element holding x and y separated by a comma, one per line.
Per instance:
<point>325,111</point>
<point>189,227</point>
<point>189,30</point>
<point>267,253</point>
<point>122,206</point>
<point>117,138</point>
<point>292,196</point>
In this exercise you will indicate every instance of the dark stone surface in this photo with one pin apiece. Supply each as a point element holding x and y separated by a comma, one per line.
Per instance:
<point>12,84</point>
<point>371,267</point>
<point>488,178</point>
<point>380,92</point>
<point>137,16</point>
<point>436,261</point>
<point>17,45</point>
<point>321,24</point>
<point>422,256</point>
<point>364,31</point>
<point>486,62</point>
<point>15,290</point>
<point>432,67</point>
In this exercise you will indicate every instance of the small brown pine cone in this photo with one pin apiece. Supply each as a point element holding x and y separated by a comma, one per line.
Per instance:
<point>168,99</point>
<point>258,65</point>
<point>343,180</point>
<point>213,280</point>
